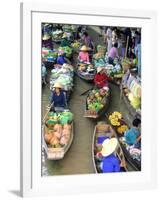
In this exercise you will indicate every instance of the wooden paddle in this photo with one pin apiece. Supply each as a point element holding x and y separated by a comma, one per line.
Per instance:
<point>86,91</point>
<point>48,109</point>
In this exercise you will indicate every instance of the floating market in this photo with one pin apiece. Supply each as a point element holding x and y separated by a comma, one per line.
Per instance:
<point>91,99</point>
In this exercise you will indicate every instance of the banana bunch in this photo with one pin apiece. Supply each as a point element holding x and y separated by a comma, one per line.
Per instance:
<point>122,129</point>
<point>114,118</point>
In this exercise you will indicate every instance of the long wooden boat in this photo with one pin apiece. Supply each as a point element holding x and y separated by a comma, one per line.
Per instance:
<point>83,74</point>
<point>56,151</point>
<point>102,111</point>
<point>104,130</point>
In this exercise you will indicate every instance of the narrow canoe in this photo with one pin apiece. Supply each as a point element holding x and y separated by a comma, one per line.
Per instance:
<point>57,153</point>
<point>102,111</point>
<point>89,77</point>
<point>102,129</point>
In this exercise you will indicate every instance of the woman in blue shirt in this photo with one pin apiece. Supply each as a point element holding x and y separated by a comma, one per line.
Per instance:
<point>58,97</point>
<point>110,162</point>
<point>132,136</point>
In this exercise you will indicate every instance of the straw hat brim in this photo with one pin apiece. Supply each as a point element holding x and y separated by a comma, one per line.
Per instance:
<point>84,48</point>
<point>57,85</point>
<point>109,146</point>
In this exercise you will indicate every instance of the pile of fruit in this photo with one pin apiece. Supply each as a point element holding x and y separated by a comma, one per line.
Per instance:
<point>115,118</point>
<point>67,50</point>
<point>134,101</point>
<point>118,122</point>
<point>96,100</point>
<point>86,67</point>
<point>58,129</point>
<point>115,71</point>
<point>121,129</point>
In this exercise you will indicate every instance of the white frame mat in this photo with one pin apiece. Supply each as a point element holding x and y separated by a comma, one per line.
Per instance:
<point>32,183</point>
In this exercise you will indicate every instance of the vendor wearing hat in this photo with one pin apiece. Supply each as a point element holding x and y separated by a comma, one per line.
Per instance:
<point>101,78</point>
<point>110,162</point>
<point>58,97</point>
<point>65,42</point>
<point>83,54</point>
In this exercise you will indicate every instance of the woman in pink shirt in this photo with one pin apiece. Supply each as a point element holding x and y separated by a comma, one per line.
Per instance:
<point>113,53</point>
<point>83,54</point>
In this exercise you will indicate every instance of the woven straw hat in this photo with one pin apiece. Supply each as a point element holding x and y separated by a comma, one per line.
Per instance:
<point>109,146</point>
<point>57,85</point>
<point>84,48</point>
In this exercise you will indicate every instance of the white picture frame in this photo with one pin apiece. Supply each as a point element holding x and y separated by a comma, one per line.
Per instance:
<point>32,183</point>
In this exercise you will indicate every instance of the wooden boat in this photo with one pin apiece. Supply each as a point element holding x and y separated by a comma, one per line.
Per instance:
<point>84,74</point>
<point>94,114</point>
<point>135,164</point>
<point>56,152</point>
<point>102,129</point>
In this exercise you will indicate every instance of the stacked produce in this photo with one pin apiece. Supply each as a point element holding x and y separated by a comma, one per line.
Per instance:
<point>63,75</point>
<point>67,50</point>
<point>58,130</point>
<point>117,121</point>
<point>115,71</point>
<point>134,101</point>
<point>49,55</point>
<point>57,35</point>
<point>86,68</point>
<point>96,100</point>
<point>114,118</point>
<point>75,46</point>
